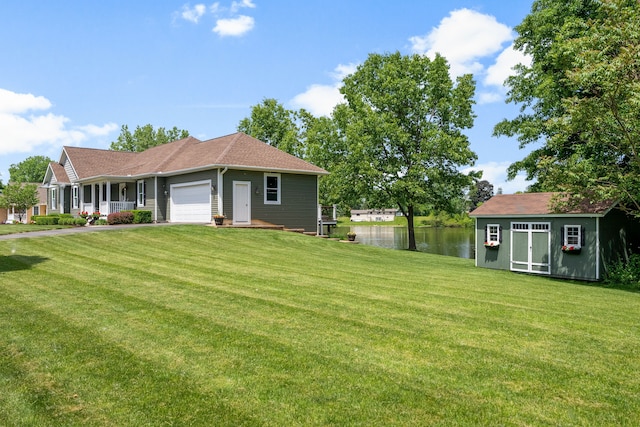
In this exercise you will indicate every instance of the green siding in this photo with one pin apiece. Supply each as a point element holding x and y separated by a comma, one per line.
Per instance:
<point>298,199</point>
<point>580,266</point>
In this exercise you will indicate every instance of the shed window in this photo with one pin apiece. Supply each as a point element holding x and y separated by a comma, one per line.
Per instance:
<point>493,234</point>
<point>572,235</point>
<point>272,188</point>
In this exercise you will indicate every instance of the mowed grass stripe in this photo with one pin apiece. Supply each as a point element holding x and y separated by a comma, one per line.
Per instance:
<point>412,338</point>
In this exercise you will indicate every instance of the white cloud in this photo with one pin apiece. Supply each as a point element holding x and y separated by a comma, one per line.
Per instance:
<point>496,174</point>
<point>503,67</point>
<point>193,14</point>
<point>464,37</point>
<point>237,5</point>
<point>234,26</point>
<point>22,133</point>
<point>16,103</point>
<point>320,100</point>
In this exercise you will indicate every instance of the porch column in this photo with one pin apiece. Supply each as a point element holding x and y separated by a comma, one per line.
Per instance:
<point>108,198</point>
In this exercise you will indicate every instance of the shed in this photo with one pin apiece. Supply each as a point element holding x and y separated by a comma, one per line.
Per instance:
<point>522,233</point>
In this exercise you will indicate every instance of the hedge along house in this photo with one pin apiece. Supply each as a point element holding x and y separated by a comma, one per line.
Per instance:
<point>520,232</point>
<point>190,181</point>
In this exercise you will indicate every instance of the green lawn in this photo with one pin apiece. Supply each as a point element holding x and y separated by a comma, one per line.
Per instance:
<point>192,325</point>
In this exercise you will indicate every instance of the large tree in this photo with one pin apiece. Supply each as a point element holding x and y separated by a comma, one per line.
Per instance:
<point>274,124</point>
<point>19,196</point>
<point>146,137</point>
<point>481,191</point>
<point>31,169</point>
<point>580,99</point>
<point>402,125</point>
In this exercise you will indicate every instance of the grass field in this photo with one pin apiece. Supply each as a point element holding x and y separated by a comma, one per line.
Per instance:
<point>25,228</point>
<point>192,325</point>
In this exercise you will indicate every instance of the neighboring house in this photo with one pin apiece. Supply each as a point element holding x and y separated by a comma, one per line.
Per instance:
<point>189,181</point>
<point>520,232</point>
<point>379,215</point>
<point>10,215</point>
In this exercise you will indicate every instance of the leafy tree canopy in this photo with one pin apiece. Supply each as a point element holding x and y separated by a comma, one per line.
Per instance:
<point>146,137</point>
<point>402,125</point>
<point>580,99</point>
<point>480,193</point>
<point>19,196</point>
<point>31,169</point>
<point>272,123</point>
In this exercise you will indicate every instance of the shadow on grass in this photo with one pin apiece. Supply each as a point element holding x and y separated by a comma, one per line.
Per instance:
<point>19,262</point>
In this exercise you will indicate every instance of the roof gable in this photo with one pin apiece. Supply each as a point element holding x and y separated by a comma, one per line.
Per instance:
<point>535,204</point>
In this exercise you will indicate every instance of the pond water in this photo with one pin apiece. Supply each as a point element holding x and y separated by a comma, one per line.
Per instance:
<point>456,242</point>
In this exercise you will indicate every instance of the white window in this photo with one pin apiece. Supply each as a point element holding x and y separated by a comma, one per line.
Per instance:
<point>572,235</point>
<point>492,235</point>
<point>36,210</point>
<point>272,188</point>
<point>75,197</point>
<point>53,194</point>
<point>142,193</point>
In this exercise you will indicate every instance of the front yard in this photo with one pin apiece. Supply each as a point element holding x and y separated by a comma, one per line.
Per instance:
<point>192,325</point>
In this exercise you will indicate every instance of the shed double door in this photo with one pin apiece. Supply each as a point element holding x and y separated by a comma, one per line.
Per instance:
<point>531,247</point>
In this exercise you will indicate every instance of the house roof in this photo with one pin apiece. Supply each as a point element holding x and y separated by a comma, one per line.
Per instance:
<point>58,172</point>
<point>238,150</point>
<point>535,204</point>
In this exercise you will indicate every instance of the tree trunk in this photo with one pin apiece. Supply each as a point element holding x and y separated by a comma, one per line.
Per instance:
<point>410,229</point>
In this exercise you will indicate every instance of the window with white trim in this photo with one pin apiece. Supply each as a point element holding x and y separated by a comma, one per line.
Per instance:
<point>53,197</point>
<point>572,235</point>
<point>75,196</point>
<point>272,183</point>
<point>35,210</point>
<point>492,235</point>
<point>142,193</point>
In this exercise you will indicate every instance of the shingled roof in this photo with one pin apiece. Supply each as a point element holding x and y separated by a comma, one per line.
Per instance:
<point>237,150</point>
<point>534,204</point>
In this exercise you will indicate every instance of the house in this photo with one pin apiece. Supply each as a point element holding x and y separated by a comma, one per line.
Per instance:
<point>379,215</point>
<point>190,181</point>
<point>10,215</point>
<point>520,232</point>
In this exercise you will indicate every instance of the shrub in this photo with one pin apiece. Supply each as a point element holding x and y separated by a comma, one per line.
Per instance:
<point>80,221</point>
<point>66,221</point>
<point>101,221</point>
<point>120,218</point>
<point>141,217</point>
<point>46,219</point>
<point>625,273</point>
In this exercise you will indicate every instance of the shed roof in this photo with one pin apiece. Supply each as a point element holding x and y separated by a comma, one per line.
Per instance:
<point>535,204</point>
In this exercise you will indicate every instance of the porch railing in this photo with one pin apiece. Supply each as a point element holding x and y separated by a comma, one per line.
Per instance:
<point>121,206</point>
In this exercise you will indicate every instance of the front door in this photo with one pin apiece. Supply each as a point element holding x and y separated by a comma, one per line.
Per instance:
<point>531,247</point>
<point>241,202</point>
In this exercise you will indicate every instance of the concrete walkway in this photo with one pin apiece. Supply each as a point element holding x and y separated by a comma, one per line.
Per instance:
<point>74,230</point>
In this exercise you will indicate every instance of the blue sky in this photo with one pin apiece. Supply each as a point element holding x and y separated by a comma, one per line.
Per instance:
<point>73,72</point>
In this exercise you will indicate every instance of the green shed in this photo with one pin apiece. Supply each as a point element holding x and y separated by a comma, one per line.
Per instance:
<point>520,232</point>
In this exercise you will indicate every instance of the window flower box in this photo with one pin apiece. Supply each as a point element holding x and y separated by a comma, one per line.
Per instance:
<point>492,245</point>
<point>571,249</point>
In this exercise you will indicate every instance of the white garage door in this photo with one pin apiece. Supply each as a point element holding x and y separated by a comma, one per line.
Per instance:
<point>191,202</point>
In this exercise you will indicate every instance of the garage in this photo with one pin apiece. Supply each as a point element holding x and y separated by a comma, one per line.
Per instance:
<point>191,202</point>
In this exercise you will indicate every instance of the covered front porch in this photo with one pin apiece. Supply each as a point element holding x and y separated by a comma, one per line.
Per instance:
<point>108,197</point>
